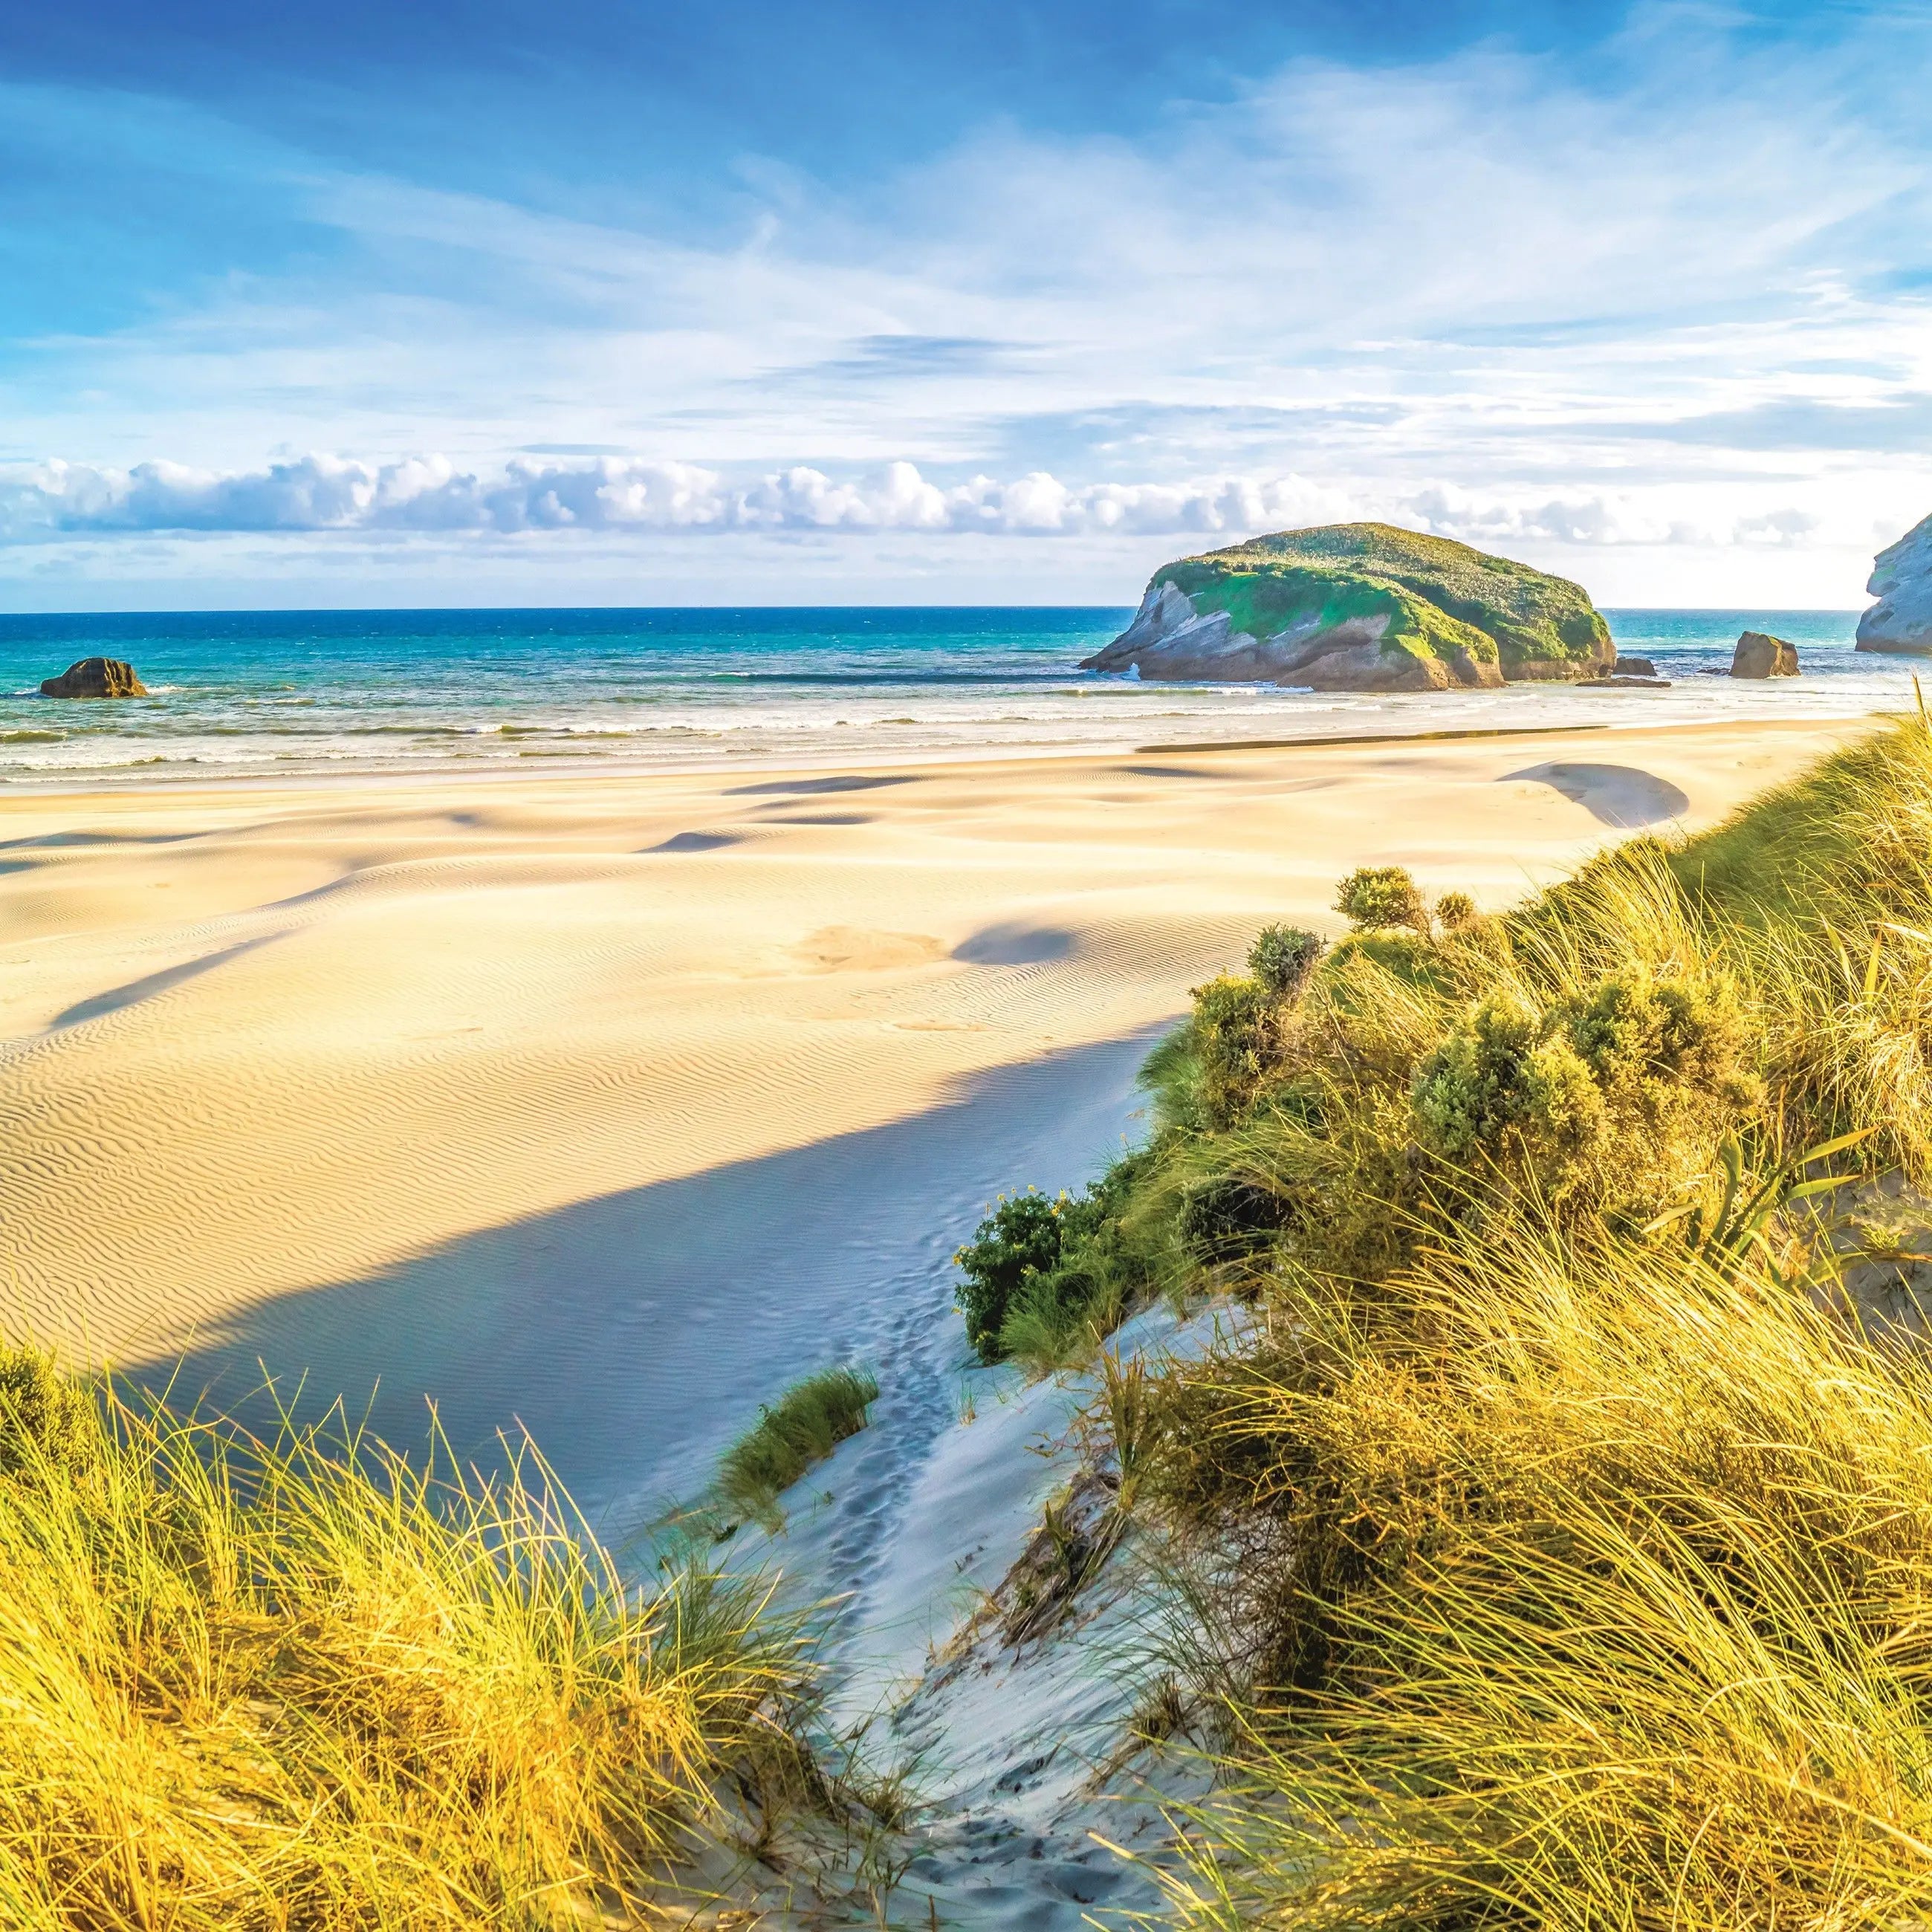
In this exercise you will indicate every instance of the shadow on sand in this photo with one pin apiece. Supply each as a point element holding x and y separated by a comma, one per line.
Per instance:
<point>635,1334</point>
<point>1619,795</point>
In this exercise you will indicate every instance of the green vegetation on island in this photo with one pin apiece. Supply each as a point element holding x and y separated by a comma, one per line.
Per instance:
<point>1360,605</point>
<point>1518,615</point>
<point>1559,1529</point>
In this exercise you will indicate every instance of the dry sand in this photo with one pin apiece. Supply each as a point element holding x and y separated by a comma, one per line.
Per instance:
<point>609,1105</point>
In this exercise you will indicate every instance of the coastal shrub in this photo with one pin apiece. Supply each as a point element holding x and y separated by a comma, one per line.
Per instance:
<point>1045,1275</point>
<point>1282,957</point>
<point>1623,1082</point>
<point>1498,1096</point>
<point>1554,1562</point>
<point>251,1683</point>
<point>803,1426</point>
<point>1374,896</point>
<point>1456,912</point>
<point>1020,1236</point>
<point>1651,1043</point>
<point>46,1419</point>
<point>1231,1026</point>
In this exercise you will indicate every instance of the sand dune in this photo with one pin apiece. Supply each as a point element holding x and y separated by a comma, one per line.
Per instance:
<point>610,1104</point>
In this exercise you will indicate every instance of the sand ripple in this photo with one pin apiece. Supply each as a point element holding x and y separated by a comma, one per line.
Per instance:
<point>609,1105</point>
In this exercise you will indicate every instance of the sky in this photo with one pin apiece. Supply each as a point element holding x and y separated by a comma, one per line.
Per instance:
<point>485,301</point>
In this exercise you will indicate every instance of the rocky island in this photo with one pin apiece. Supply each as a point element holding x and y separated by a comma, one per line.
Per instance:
<point>1360,607</point>
<point>1760,655</point>
<point>1901,580</point>
<point>95,677</point>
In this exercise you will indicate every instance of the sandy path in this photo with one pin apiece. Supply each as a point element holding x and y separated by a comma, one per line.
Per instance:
<point>612,1104</point>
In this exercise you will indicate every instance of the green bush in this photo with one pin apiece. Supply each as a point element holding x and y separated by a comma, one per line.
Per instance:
<point>1456,912</point>
<point>1374,896</point>
<point>1642,1038</point>
<point>805,1424</point>
<point>1497,1095</point>
<point>1230,1026</point>
<point>1283,957</point>
<point>45,1418</point>
<point>1044,1273</point>
<point>1020,1237</point>
<point>1613,1075</point>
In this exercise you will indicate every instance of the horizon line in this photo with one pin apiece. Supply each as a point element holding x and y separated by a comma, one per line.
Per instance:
<point>517,610</point>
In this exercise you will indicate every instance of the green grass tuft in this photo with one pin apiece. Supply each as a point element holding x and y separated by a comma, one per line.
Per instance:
<point>805,1424</point>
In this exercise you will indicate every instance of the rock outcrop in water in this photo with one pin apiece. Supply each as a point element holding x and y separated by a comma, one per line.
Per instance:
<point>95,677</point>
<point>1360,607</point>
<point>1760,655</point>
<point>1901,580</point>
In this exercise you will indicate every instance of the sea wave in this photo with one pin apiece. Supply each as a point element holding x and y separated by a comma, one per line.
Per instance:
<point>443,691</point>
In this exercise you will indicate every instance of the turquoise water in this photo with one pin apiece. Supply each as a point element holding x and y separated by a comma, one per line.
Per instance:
<point>268,694</point>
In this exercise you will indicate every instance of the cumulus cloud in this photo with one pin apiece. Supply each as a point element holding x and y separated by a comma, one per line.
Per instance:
<point>318,494</point>
<point>1602,519</point>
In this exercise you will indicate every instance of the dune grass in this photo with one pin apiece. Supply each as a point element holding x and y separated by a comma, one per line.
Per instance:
<point>1592,1592</point>
<point>1561,1530</point>
<point>299,1681</point>
<point>803,1426</point>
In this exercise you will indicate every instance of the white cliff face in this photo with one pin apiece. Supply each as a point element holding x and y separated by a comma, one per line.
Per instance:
<point>1169,639</point>
<point>1901,580</point>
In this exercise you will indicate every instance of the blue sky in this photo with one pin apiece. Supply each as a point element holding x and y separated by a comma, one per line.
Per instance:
<point>494,302</point>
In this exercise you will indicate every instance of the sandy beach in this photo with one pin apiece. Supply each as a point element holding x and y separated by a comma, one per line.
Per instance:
<point>608,1105</point>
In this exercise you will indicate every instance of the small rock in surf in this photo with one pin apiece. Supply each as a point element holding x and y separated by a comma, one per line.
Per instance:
<point>95,677</point>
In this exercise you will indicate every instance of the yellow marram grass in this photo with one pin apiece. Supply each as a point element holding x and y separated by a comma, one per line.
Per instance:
<point>298,1683</point>
<point>1568,1546</point>
<point>1610,1604</point>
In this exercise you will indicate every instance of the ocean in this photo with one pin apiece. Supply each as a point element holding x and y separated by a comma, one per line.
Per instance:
<point>284,694</point>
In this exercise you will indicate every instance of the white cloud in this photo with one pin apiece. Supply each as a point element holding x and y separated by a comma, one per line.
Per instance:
<point>321,493</point>
<point>1473,295</point>
<point>430,496</point>
<point>1624,518</point>
<point>1789,526</point>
